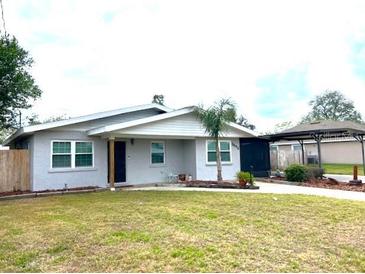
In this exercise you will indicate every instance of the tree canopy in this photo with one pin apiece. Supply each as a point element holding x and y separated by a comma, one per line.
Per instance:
<point>241,120</point>
<point>17,86</point>
<point>332,105</point>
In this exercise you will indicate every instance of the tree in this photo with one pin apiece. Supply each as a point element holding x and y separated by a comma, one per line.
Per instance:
<point>4,133</point>
<point>283,126</point>
<point>214,120</point>
<point>245,123</point>
<point>17,86</point>
<point>332,105</point>
<point>159,99</point>
<point>33,119</point>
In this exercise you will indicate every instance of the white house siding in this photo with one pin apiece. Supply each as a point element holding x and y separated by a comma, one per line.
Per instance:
<point>206,171</point>
<point>139,169</point>
<point>44,178</point>
<point>184,125</point>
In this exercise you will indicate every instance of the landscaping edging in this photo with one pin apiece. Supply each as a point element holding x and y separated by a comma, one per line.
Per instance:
<point>50,193</point>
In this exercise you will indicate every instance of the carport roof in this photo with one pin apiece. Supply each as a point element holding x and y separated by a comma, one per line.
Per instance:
<point>326,128</point>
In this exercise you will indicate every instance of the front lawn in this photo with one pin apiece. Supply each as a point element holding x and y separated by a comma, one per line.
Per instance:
<point>346,169</point>
<point>182,232</point>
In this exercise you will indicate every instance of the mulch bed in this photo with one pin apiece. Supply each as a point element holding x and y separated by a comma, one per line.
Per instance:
<point>216,184</point>
<point>326,183</point>
<point>332,184</point>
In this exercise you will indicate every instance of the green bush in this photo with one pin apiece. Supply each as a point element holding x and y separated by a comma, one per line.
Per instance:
<point>315,172</point>
<point>296,173</point>
<point>243,176</point>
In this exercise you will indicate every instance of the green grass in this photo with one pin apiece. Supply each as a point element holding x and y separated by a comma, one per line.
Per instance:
<point>342,169</point>
<point>182,232</point>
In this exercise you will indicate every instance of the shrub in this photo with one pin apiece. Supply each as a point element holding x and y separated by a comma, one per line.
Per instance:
<point>296,173</point>
<point>315,172</point>
<point>244,176</point>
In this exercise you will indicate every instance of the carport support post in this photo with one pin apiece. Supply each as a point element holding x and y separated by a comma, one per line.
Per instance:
<point>301,142</point>
<point>360,138</point>
<point>318,139</point>
<point>363,153</point>
<point>111,164</point>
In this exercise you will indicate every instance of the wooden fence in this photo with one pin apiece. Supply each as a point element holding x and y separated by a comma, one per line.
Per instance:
<point>282,159</point>
<point>14,170</point>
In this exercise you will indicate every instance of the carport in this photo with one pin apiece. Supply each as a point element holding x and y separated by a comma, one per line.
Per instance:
<point>321,130</point>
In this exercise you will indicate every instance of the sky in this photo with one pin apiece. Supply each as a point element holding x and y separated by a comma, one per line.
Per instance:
<point>270,57</point>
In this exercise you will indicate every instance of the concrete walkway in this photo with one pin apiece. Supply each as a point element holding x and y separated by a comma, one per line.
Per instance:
<point>269,188</point>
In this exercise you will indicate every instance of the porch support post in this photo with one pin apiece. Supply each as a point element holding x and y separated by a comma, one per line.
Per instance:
<point>301,142</point>
<point>111,164</point>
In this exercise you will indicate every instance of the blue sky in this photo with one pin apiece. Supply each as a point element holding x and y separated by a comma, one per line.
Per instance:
<point>271,57</point>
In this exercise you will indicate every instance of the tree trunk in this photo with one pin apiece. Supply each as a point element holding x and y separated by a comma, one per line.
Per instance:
<point>219,162</point>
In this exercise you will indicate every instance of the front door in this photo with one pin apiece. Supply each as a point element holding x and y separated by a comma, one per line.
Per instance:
<point>120,161</point>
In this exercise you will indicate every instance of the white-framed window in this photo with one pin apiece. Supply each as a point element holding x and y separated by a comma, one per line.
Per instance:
<point>61,154</point>
<point>83,154</point>
<point>274,148</point>
<point>296,147</point>
<point>225,148</point>
<point>72,154</point>
<point>157,152</point>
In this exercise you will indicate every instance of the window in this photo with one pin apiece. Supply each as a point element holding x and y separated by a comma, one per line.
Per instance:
<point>296,147</point>
<point>225,151</point>
<point>84,154</point>
<point>157,153</point>
<point>274,148</point>
<point>71,154</point>
<point>61,154</point>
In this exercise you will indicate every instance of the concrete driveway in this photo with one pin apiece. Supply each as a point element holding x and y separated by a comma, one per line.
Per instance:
<point>269,188</point>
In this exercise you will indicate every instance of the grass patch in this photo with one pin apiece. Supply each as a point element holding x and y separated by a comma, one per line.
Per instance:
<point>182,232</point>
<point>129,236</point>
<point>342,169</point>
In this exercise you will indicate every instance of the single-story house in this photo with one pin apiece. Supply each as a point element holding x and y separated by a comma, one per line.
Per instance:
<point>150,143</point>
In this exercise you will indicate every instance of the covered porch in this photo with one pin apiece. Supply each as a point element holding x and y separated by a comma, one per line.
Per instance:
<point>149,159</point>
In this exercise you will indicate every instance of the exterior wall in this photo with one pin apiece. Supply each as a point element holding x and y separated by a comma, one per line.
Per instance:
<point>347,152</point>
<point>184,125</point>
<point>43,177</point>
<point>138,163</point>
<point>342,153</point>
<point>189,154</point>
<point>206,171</point>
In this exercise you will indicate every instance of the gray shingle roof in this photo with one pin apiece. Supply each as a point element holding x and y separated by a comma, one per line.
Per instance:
<point>326,125</point>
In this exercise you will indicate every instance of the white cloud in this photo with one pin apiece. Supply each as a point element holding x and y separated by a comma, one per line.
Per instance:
<point>191,51</point>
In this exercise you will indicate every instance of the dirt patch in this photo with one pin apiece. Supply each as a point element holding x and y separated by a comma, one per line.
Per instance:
<point>333,184</point>
<point>322,183</point>
<point>13,193</point>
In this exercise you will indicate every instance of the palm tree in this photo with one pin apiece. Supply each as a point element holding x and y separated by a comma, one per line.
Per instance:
<point>215,120</point>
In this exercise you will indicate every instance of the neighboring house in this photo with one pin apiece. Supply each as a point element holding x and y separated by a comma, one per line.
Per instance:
<point>334,151</point>
<point>150,143</point>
